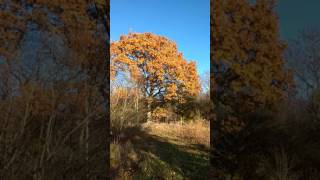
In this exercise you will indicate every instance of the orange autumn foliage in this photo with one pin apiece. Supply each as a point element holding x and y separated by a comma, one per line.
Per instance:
<point>247,54</point>
<point>156,66</point>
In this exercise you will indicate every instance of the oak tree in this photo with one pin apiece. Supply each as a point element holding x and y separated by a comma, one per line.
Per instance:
<point>157,68</point>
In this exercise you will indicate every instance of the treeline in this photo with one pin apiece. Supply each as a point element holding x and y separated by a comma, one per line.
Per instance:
<point>265,94</point>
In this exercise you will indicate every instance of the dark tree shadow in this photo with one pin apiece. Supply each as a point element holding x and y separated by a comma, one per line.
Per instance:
<point>190,165</point>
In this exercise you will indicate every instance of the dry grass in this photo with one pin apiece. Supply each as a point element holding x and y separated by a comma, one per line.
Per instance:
<point>195,132</point>
<point>162,151</point>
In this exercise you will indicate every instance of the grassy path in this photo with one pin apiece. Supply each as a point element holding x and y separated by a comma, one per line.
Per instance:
<point>164,156</point>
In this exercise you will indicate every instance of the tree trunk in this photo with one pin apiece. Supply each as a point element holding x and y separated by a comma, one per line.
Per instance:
<point>148,112</point>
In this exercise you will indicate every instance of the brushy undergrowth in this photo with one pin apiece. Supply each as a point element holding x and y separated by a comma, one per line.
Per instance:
<point>163,151</point>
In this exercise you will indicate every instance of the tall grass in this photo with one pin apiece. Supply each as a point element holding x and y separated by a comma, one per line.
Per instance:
<point>195,132</point>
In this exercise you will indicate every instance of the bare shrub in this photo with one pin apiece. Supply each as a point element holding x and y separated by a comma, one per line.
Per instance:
<point>126,110</point>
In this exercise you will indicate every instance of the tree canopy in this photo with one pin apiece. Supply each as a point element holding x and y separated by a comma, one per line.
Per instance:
<point>247,54</point>
<point>155,65</point>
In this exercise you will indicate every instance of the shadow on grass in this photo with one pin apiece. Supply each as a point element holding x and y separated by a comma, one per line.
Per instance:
<point>164,158</point>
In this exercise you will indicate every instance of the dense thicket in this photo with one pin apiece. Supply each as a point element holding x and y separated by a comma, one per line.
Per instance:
<point>54,89</point>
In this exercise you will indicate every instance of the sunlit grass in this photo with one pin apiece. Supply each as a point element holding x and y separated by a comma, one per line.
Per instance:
<point>163,151</point>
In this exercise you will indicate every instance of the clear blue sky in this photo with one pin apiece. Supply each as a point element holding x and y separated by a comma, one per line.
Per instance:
<point>187,22</point>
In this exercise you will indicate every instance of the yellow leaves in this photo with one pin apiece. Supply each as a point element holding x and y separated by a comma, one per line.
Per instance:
<point>155,63</point>
<point>250,50</point>
<point>171,92</point>
<point>160,113</point>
